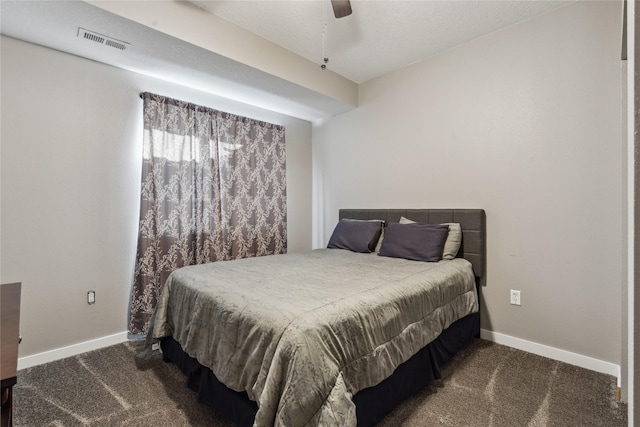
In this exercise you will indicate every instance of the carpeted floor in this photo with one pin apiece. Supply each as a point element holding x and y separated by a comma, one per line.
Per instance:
<point>486,385</point>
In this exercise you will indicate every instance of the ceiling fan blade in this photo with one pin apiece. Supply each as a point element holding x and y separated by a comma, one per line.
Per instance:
<point>341,8</point>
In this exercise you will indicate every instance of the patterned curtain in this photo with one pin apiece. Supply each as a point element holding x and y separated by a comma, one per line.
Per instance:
<point>213,188</point>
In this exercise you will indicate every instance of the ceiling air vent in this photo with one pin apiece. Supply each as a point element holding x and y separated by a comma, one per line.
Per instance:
<point>102,39</point>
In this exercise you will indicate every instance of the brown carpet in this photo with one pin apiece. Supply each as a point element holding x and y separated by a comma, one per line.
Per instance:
<point>486,385</point>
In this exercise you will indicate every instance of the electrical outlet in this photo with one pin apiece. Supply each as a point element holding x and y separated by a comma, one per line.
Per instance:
<point>91,297</point>
<point>515,297</point>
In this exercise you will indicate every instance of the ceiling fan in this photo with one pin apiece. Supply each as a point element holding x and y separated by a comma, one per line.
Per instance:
<point>341,8</point>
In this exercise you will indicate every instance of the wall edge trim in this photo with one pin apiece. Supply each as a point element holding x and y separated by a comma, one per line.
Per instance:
<point>71,350</point>
<point>554,353</point>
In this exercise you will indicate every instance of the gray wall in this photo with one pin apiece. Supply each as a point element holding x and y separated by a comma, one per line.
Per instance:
<point>71,155</point>
<point>525,123</point>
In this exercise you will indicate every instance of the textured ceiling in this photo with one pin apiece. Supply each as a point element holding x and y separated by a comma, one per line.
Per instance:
<point>379,36</point>
<point>55,24</point>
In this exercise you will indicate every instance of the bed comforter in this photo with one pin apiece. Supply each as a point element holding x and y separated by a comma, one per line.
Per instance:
<point>302,333</point>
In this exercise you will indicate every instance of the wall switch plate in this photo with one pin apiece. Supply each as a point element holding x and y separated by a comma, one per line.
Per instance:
<point>515,297</point>
<point>91,297</point>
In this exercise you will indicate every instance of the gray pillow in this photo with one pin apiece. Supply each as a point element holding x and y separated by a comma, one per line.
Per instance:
<point>453,242</point>
<point>454,238</point>
<point>418,242</point>
<point>377,249</point>
<point>356,236</point>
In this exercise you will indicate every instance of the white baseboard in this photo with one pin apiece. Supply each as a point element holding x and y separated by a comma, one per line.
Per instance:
<point>71,350</point>
<point>553,353</point>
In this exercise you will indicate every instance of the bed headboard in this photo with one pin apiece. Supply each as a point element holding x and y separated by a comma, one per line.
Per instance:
<point>472,221</point>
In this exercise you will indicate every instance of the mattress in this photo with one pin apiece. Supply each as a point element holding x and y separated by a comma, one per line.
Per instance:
<point>302,333</point>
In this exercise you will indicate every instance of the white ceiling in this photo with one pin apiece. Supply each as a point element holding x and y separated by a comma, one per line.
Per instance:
<point>55,24</point>
<point>379,36</point>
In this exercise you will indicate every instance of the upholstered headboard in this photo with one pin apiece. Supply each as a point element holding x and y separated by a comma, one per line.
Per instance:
<point>472,221</point>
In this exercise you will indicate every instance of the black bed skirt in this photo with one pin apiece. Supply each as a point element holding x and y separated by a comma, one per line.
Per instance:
<point>372,404</point>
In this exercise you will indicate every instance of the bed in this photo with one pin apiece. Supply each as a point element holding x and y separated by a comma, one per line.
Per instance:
<point>325,337</point>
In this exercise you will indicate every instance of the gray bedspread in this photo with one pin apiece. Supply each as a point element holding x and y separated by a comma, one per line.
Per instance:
<point>302,333</point>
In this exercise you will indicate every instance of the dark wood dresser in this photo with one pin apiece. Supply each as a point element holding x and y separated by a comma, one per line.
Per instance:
<point>9,340</point>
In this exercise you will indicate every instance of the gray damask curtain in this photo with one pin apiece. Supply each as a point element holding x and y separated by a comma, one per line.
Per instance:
<point>213,188</point>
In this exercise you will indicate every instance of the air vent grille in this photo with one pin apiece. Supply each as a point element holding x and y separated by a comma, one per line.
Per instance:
<point>117,45</point>
<point>102,39</point>
<point>93,37</point>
